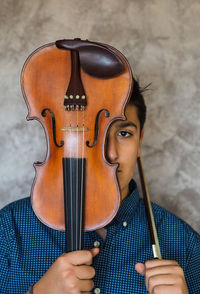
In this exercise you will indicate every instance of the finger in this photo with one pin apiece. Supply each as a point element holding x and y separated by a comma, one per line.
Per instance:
<point>74,285</point>
<point>78,257</point>
<point>84,272</point>
<point>140,268</point>
<point>157,280</point>
<point>165,289</point>
<point>94,251</point>
<point>86,285</point>
<point>71,283</point>
<point>174,271</point>
<point>164,269</point>
<point>159,262</point>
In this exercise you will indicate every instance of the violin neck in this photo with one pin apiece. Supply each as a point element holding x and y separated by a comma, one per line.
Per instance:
<point>74,190</point>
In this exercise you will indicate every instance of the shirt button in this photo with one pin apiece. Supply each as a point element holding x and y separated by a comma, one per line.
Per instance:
<point>96,290</point>
<point>124,224</point>
<point>96,244</point>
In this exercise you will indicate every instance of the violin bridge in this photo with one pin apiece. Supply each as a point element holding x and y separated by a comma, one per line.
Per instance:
<point>74,107</point>
<point>74,129</point>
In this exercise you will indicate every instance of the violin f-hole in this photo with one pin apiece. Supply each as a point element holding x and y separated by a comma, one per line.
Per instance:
<point>96,131</point>
<point>43,113</point>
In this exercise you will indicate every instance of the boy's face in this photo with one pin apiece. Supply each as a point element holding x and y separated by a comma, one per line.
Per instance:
<point>123,147</point>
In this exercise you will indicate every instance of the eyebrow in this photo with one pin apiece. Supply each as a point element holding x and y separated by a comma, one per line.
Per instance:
<point>126,124</point>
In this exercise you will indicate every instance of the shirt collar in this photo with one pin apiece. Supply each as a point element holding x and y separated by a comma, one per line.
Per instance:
<point>128,205</point>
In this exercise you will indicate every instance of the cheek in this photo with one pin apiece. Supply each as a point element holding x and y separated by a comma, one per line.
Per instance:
<point>131,159</point>
<point>132,165</point>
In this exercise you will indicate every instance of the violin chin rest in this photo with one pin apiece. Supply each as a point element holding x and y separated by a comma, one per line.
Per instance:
<point>96,59</point>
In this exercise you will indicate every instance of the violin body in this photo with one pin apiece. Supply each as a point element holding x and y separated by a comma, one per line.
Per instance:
<point>70,131</point>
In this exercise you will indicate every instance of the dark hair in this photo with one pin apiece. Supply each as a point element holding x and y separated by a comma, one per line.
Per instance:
<point>137,99</point>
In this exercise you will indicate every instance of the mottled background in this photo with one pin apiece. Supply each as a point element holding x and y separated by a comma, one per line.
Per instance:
<point>161,41</point>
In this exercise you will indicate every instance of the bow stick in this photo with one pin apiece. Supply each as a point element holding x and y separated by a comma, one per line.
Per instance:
<point>149,212</point>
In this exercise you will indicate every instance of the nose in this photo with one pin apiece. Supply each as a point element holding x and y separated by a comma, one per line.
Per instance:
<point>111,150</point>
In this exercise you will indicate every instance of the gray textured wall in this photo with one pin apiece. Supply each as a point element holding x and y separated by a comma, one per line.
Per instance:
<point>160,39</point>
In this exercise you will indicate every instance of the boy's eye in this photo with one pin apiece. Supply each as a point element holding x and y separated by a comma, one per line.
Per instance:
<point>124,134</point>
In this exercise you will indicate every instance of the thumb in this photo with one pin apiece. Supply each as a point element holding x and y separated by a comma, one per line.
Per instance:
<point>140,268</point>
<point>94,251</point>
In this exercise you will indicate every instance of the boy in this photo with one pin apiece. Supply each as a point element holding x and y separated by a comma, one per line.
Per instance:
<point>120,260</point>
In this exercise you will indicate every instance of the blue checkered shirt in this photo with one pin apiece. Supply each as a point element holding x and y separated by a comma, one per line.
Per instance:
<point>28,248</point>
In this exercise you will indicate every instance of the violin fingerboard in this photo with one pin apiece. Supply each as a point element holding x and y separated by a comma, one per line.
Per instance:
<point>74,192</point>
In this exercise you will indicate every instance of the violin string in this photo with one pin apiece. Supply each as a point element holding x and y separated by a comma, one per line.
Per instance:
<point>82,178</point>
<point>77,178</point>
<point>72,240</point>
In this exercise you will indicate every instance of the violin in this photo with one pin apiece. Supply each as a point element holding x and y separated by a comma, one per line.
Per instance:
<point>76,89</point>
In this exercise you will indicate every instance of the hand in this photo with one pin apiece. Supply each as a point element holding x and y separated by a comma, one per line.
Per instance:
<point>163,277</point>
<point>71,273</point>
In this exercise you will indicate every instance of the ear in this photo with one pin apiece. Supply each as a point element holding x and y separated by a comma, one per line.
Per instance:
<point>140,142</point>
